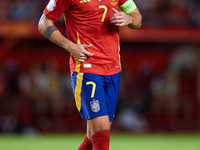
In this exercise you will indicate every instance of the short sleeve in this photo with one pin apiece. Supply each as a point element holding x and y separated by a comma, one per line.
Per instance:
<point>127,6</point>
<point>55,8</point>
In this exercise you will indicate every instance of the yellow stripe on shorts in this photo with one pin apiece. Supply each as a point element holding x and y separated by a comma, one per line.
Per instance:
<point>79,79</point>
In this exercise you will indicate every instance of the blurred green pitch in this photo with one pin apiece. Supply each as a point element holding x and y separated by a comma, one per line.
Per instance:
<point>118,142</point>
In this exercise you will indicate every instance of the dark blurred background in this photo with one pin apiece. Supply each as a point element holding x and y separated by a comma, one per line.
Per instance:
<point>160,84</point>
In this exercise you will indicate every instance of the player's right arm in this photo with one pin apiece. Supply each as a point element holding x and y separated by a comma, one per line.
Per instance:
<point>128,15</point>
<point>47,28</point>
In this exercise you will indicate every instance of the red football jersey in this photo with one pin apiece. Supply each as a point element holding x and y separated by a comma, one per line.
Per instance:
<point>88,22</point>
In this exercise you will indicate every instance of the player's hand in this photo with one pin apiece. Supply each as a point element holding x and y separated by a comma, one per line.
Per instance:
<point>120,18</point>
<point>80,53</point>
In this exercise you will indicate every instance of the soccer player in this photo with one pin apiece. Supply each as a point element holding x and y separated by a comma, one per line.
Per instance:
<point>93,43</point>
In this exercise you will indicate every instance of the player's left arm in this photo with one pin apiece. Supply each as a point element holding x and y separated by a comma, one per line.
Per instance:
<point>131,17</point>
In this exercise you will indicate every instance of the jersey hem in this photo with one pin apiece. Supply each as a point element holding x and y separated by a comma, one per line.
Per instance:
<point>93,72</point>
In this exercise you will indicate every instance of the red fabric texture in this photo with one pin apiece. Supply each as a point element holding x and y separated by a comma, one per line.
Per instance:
<point>86,144</point>
<point>101,140</point>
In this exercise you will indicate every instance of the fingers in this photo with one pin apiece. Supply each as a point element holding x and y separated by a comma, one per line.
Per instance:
<point>82,54</point>
<point>118,18</point>
<point>87,46</point>
<point>86,52</point>
<point>115,10</point>
<point>119,22</point>
<point>83,57</point>
<point>81,60</point>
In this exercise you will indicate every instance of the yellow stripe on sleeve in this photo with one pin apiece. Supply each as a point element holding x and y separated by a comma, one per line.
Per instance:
<point>79,79</point>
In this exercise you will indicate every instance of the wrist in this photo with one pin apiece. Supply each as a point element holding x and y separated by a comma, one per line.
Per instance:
<point>130,20</point>
<point>69,46</point>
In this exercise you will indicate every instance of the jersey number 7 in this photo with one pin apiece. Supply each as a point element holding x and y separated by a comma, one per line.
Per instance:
<point>104,13</point>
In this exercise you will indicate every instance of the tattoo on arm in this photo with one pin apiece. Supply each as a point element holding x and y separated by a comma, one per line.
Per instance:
<point>49,30</point>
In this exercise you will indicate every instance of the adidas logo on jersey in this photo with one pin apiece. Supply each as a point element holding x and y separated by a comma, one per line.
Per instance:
<point>84,1</point>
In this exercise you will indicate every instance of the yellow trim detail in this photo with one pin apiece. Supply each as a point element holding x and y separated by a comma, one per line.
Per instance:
<point>120,58</point>
<point>79,79</point>
<point>64,17</point>
<point>78,63</point>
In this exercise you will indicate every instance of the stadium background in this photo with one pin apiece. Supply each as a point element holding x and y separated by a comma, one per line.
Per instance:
<point>160,85</point>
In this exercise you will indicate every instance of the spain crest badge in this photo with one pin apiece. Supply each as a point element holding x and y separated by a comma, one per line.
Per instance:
<point>95,105</point>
